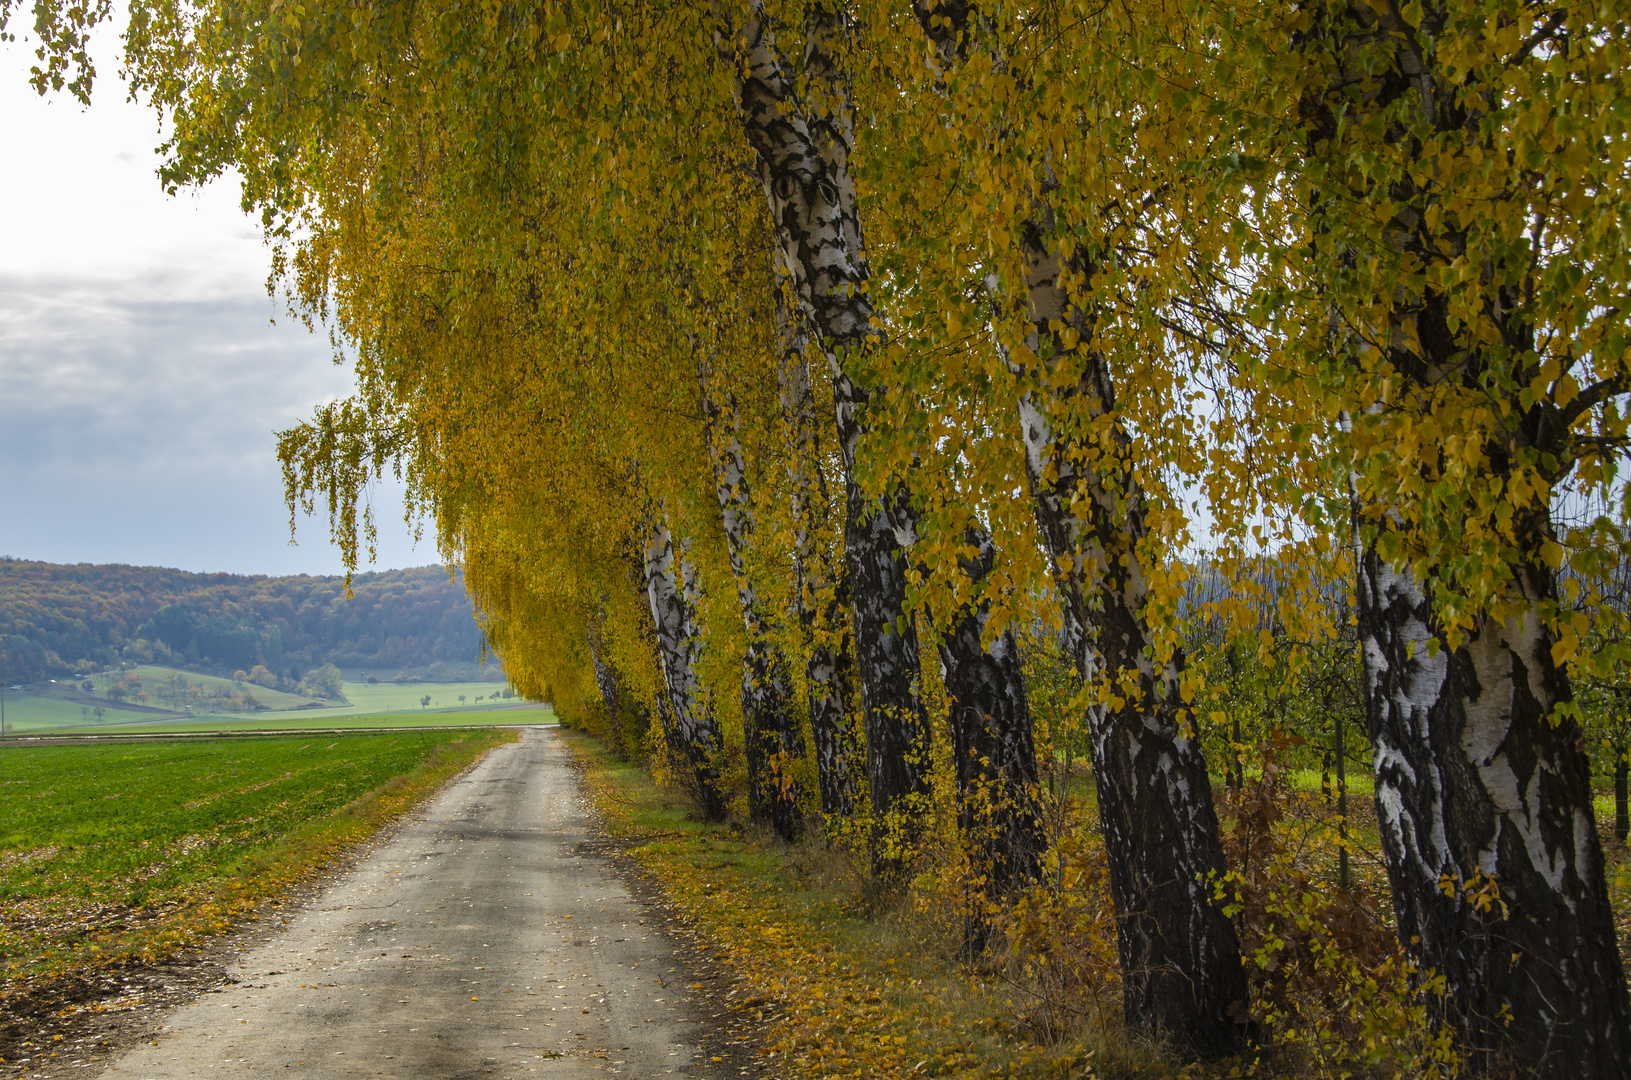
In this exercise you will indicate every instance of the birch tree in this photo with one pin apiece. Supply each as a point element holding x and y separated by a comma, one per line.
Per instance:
<point>803,144</point>
<point>1464,256</point>
<point>1051,224</point>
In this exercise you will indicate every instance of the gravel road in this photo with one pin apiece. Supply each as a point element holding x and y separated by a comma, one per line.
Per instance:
<point>488,938</point>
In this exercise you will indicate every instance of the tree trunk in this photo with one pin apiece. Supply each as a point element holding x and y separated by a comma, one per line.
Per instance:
<point>1182,975</point>
<point>820,595</point>
<point>1341,751</point>
<point>1622,803</point>
<point>1483,787</point>
<point>803,163</point>
<point>830,677</point>
<point>610,696</point>
<point>770,735</point>
<point>1484,803</point>
<point>993,752</point>
<point>671,587</point>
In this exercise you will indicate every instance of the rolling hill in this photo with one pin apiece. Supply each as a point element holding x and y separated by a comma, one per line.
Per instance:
<point>58,619</point>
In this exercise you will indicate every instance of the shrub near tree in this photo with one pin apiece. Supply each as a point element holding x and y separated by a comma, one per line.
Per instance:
<point>325,682</point>
<point>889,328</point>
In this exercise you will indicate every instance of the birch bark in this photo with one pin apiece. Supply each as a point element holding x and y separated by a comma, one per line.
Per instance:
<point>803,161</point>
<point>672,589</point>
<point>819,592</point>
<point>771,738</point>
<point>1484,804</point>
<point>1483,788</point>
<point>611,702</point>
<point>993,749</point>
<point>1182,976</point>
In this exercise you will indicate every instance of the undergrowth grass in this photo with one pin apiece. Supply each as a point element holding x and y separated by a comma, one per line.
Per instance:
<point>846,989</point>
<point>117,853</point>
<point>850,987</point>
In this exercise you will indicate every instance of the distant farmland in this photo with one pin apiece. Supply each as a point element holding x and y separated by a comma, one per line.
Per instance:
<point>366,704</point>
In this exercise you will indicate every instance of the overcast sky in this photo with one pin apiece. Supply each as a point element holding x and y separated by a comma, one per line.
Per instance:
<point>142,375</point>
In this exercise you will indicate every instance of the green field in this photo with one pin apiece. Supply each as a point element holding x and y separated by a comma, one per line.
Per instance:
<point>155,680</point>
<point>404,697</point>
<point>363,697</point>
<point>112,850</point>
<point>30,712</point>
<point>381,704</point>
<point>316,720</point>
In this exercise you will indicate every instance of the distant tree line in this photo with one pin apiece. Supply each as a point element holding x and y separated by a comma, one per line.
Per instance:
<point>55,620</point>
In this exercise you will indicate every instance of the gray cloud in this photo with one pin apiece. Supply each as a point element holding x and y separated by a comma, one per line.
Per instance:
<point>138,427</point>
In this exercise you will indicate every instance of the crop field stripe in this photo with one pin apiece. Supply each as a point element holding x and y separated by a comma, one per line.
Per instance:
<point>89,738</point>
<point>314,721</point>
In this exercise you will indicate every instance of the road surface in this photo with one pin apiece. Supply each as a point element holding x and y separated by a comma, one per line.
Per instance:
<point>485,939</point>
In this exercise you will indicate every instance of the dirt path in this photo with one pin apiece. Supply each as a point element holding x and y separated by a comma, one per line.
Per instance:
<point>487,939</point>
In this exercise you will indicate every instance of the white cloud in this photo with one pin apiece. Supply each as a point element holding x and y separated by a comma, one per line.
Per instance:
<point>144,431</point>
<point>141,374</point>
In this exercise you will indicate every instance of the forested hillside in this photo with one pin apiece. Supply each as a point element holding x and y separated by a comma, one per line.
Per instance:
<point>58,619</point>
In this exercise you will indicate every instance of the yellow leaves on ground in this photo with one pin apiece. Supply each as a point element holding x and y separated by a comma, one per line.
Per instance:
<point>840,995</point>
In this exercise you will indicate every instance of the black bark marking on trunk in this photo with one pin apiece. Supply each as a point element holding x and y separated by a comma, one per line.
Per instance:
<point>672,589</point>
<point>887,658</point>
<point>611,693</point>
<point>993,751</point>
<point>820,588</point>
<point>830,672</point>
<point>1484,803</point>
<point>771,740</point>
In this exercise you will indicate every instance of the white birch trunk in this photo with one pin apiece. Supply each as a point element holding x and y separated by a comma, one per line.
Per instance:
<point>672,589</point>
<point>818,585</point>
<point>770,734</point>
<point>1483,787</point>
<point>1483,799</point>
<point>611,703</point>
<point>1182,976</point>
<point>804,167</point>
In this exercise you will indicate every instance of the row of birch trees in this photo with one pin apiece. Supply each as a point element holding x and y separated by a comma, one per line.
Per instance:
<point>769,366</point>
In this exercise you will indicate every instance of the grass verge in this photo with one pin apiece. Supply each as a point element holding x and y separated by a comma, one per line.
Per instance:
<point>843,992</point>
<point>845,989</point>
<point>119,854</point>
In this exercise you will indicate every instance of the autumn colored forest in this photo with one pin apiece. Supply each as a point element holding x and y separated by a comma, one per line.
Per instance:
<point>55,620</point>
<point>1140,480</point>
